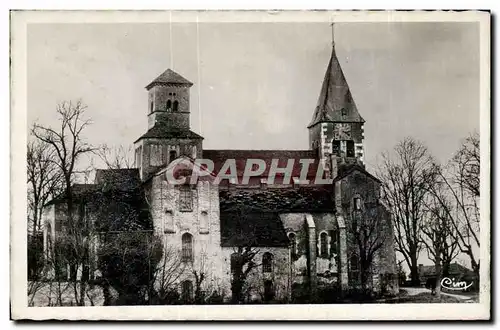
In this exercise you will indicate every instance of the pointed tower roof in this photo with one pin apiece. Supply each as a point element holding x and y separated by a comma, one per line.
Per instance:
<point>335,97</point>
<point>170,77</point>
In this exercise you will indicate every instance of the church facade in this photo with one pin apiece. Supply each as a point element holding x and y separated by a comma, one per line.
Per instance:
<point>303,230</point>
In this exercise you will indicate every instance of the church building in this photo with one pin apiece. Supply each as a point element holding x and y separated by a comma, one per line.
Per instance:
<point>302,233</point>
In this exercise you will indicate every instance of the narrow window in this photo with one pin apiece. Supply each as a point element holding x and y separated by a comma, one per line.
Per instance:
<point>336,148</point>
<point>267,263</point>
<point>187,290</point>
<point>357,204</point>
<point>185,199</point>
<point>151,106</point>
<point>172,155</point>
<point>323,241</point>
<point>187,247</point>
<point>293,243</point>
<point>350,148</point>
<point>204,222</point>
<point>176,106</point>
<point>344,113</point>
<point>169,221</point>
<point>169,104</point>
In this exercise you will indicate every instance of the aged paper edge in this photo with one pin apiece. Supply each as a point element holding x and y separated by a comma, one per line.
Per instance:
<point>18,244</point>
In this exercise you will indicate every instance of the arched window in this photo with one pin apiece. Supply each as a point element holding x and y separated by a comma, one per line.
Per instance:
<point>293,243</point>
<point>187,290</point>
<point>169,221</point>
<point>357,203</point>
<point>169,104</point>
<point>176,106</point>
<point>187,247</point>
<point>267,263</point>
<point>204,222</point>
<point>234,262</point>
<point>185,199</point>
<point>323,245</point>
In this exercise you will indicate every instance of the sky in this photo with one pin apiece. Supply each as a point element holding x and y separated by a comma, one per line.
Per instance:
<point>256,84</point>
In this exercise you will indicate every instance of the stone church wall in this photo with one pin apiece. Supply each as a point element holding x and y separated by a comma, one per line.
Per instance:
<point>202,222</point>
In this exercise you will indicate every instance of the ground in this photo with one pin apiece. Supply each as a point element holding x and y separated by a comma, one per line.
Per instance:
<point>423,295</point>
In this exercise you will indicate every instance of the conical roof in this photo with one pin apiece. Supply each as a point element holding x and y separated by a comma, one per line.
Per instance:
<point>169,77</point>
<point>335,101</point>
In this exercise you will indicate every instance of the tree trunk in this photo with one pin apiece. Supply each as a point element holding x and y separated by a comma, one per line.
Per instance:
<point>415,279</point>
<point>437,266</point>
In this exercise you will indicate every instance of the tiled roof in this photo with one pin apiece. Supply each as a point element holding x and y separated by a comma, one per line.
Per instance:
<point>345,170</point>
<point>248,227</point>
<point>335,96</point>
<point>165,132</point>
<point>125,180</point>
<point>219,157</point>
<point>169,77</point>
<point>303,199</point>
<point>79,191</point>
<point>118,179</point>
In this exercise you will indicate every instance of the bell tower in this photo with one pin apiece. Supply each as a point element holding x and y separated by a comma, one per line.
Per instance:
<point>169,135</point>
<point>336,129</point>
<point>168,100</point>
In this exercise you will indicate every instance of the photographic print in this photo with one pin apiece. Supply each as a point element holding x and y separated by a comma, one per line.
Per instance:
<point>226,165</point>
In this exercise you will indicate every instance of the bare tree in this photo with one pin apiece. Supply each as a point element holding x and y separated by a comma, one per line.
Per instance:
<point>242,264</point>
<point>407,177</point>
<point>116,158</point>
<point>467,163</point>
<point>244,252</point>
<point>166,275</point>
<point>460,179</point>
<point>44,180</point>
<point>68,144</point>
<point>367,229</point>
<point>439,240</point>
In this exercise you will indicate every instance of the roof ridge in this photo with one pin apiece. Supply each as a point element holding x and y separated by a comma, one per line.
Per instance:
<point>169,77</point>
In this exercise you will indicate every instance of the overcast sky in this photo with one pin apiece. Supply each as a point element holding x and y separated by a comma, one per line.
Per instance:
<point>260,82</point>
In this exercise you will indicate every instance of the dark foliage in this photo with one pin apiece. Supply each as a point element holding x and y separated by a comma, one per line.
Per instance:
<point>35,256</point>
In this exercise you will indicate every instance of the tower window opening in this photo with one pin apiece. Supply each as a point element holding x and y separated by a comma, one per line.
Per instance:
<point>169,104</point>
<point>344,113</point>
<point>151,106</point>
<point>336,148</point>
<point>176,106</point>
<point>172,155</point>
<point>350,149</point>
